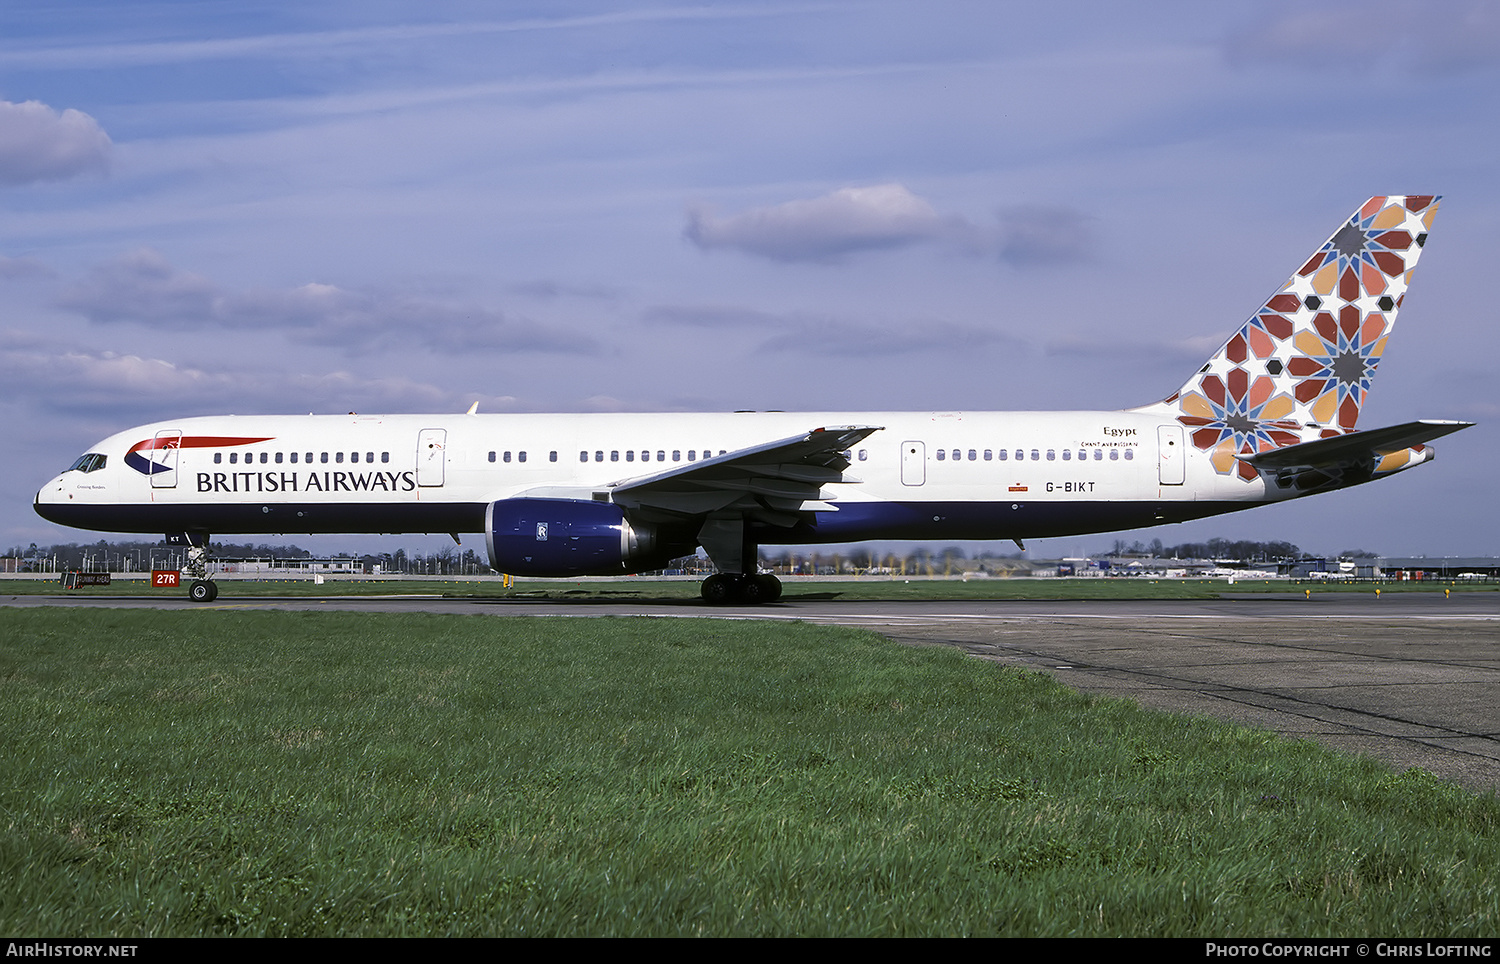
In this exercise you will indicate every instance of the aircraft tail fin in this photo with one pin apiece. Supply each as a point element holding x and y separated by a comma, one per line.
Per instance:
<point>1306,358</point>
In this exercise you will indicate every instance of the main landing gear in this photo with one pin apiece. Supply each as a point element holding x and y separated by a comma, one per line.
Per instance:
<point>723,588</point>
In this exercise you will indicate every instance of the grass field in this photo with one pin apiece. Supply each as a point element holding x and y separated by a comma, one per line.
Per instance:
<point>227,773</point>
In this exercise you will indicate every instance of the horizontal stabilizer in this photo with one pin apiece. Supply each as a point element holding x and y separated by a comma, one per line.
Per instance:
<point>1354,446</point>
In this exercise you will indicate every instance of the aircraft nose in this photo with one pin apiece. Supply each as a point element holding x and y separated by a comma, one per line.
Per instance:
<point>46,502</point>
<point>41,506</point>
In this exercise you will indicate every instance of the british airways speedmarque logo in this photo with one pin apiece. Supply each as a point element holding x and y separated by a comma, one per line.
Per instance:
<point>145,466</point>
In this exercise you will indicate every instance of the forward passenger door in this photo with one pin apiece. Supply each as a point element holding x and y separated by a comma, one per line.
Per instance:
<point>432,456</point>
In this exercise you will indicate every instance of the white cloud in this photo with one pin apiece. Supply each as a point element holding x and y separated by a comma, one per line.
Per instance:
<point>142,287</point>
<point>1039,234</point>
<point>804,333</point>
<point>39,144</point>
<point>69,379</point>
<point>1452,36</point>
<point>16,269</point>
<point>827,228</point>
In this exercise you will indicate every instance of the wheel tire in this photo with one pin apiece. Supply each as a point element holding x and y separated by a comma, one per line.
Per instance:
<point>753,591</point>
<point>201,591</point>
<point>718,589</point>
<point>770,587</point>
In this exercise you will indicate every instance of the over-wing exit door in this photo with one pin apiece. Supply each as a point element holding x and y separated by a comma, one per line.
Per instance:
<point>913,463</point>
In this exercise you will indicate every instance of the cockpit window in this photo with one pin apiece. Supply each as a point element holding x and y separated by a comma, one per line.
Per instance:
<point>91,462</point>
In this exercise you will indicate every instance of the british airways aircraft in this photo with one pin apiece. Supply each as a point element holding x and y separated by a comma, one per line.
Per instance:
<point>1271,416</point>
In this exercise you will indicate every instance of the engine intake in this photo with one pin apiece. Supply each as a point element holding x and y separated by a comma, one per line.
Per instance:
<point>566,537</point>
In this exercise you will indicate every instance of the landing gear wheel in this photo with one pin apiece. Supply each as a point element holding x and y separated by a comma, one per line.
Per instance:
<point>203,590</point>
<point>718,589</point>
<point>764,588</point>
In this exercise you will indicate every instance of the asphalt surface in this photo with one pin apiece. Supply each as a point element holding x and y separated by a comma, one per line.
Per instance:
<point>1412,679</point>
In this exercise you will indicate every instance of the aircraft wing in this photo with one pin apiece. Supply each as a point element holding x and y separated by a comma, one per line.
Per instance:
<point>1353,446</point>
<point>770,483</point>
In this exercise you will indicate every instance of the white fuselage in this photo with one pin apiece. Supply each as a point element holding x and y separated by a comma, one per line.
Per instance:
<point>922,475</point>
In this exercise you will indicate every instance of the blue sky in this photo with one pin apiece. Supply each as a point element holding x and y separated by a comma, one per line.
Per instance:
<point>259,207</point>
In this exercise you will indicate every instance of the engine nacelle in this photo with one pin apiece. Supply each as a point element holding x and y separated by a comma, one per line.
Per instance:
<point>566,537</point>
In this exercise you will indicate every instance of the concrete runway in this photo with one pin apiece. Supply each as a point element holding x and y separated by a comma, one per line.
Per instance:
<point>1409,678</point>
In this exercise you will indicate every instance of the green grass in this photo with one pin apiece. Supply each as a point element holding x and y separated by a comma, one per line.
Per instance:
<point>233,773</point>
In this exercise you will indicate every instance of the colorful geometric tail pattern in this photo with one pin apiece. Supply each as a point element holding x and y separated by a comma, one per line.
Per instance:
<point>1300,368</point>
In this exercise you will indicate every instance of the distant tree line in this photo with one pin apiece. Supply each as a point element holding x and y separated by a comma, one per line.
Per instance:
<point>1244,550</point>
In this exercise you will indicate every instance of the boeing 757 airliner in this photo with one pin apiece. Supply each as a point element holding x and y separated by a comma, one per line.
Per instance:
<point>1271,416</point>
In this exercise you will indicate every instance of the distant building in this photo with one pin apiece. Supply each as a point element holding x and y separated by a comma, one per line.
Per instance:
<point>1439,567</point>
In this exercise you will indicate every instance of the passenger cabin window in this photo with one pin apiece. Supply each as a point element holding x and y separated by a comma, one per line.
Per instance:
<point>551,456</point>
<point>218,457</point>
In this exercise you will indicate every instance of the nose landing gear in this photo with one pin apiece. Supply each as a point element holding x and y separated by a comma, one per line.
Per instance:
<point>202,588</point>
